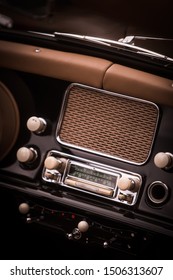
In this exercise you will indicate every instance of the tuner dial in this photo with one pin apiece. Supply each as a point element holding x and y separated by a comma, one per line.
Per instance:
<point>37,125</point>
<point>163,160</point>
<point>130,184</point>
<point>26,155</point>
<point>54,163</point>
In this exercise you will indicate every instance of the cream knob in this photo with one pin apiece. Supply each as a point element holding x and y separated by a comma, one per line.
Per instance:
<point>163,160</point>
<point>24,208</point>
<point>52,163</point>
<point>83,226</point>
<point>35,124</point>
<point>26,155</point>
<point>131,184</point>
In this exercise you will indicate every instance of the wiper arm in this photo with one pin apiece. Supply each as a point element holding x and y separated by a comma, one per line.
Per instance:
<point>117,44</point>
<point>120,44</point>
<point>131,38</point>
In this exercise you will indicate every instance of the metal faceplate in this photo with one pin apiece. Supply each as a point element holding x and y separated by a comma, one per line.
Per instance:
<point>92,178</point>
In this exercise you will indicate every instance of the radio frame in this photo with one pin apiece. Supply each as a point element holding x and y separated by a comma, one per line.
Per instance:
<point>59,179</point>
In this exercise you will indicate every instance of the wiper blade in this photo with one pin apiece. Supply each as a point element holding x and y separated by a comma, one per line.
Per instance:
<point>120,44</point>
<point>117,44</point>
<point>130,39</point>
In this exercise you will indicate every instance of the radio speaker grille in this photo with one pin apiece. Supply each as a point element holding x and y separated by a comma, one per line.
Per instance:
<point>108,124</point>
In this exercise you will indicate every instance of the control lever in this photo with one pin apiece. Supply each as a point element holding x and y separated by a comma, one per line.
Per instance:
<point>83,226</point>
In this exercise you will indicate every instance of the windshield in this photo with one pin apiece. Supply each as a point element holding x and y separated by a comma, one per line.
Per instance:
<point>146,24</point>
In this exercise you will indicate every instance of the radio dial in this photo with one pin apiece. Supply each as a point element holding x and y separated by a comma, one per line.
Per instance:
<point>52,162</point>
<point>130,184</point>
<point>163,160</point>
<point>26,155</point>
<point>37,125</point>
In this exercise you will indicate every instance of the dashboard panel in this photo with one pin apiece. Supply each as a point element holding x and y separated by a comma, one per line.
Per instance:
<point>90,154</point>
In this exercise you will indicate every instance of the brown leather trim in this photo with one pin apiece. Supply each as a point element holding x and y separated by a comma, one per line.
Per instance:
<point>57,64</point>
<point>139,84</point>
<point>86,70</point>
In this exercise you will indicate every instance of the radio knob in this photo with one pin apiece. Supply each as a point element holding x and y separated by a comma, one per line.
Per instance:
<point>37,125</point>
<point>130,184</point>
<point>24,208</point>
<point>83,226</point>
<point>26,155</point>
<point>52,163</point>
<point>163,160</point>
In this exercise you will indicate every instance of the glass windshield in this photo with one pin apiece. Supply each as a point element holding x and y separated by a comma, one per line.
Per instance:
<point>147,24</point>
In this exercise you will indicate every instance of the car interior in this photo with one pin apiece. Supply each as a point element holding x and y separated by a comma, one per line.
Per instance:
<point>86,129</point>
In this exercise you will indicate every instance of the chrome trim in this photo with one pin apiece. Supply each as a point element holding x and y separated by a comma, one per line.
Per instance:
<point>152,197</point>
<point>105,169</point>
<point>42,33</point>
<point>113,43</point>
<point>171,161</point>
<point>125,44</point>
<point>103,92</point>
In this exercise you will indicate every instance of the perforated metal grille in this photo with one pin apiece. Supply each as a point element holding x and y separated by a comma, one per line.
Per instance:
<point>109,124</point>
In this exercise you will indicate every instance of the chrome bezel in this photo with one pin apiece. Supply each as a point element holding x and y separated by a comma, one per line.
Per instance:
<point>62,112</point>
<point>95,166</point>
<point>153,199</point>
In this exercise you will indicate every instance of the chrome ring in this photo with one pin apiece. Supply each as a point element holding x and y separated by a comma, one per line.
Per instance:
<point>158,192</point>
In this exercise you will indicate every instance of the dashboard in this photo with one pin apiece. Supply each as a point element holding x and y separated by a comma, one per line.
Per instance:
<point>86,150</point>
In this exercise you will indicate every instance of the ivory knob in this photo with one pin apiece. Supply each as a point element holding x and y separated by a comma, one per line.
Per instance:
<point>24,208</point>
<point>35,124</point>
<point>131,184</point>
<point>26,155</point>
<point>163,160</point>
<point>83,226</point>
<point>52,163</point>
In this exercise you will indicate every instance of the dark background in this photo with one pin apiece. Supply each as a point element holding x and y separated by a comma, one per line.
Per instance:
<point>111,19</point>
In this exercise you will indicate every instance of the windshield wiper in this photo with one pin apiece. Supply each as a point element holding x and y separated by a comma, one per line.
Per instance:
<point>121,44</point>
<point>117,44</point>
<point>131,39</point>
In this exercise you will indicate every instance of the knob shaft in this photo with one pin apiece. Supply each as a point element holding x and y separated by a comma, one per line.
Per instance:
<point>163,160</point>
<point>131,184</point>
<point>124,197</point>
<point>26,155</point>
<point>37,125</point>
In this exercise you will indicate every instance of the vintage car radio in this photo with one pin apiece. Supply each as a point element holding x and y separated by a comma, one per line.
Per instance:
<point>82,175</point>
